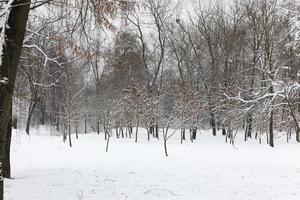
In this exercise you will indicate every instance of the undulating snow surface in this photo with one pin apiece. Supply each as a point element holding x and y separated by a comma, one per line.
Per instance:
<point>46,169</point>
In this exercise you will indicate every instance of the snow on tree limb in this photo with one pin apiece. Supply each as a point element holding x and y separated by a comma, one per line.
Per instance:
<point>4,14</point>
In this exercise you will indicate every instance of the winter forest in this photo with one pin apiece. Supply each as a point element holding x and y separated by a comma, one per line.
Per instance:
<point>149,99</point>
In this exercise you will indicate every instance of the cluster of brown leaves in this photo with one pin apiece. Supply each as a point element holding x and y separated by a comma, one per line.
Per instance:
<point>108,9</point>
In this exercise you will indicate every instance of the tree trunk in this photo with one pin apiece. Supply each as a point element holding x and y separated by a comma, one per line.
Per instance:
<point>6,149</point>
<point>76,131</point>
<point>226,136</point>
<point>165,147</point>
<point>182,131</point>
<point>11,52</point>
<point>292,111</point>
<point>65,132</point>
<point>85,124</point>
<point>248,131</point>
<point>117,132</point>
<point>287,135</point>
<point>69,133</point>
<point>194,133</point>
<point>30,113</point>
<point>107,141</point>
<point>136,131</point>
<point>297,135</point>
<point>130,130</point>
<point>57,124</point>
<point>105,134</point>
<point>148,134</point>
<point>223,131</point>
<point>98,127</point>
<point>271,131</point>
<point>1,182</point>
<point>14,122</point>
<point>122,131</point>
<point>43,111</point>
<point>152,129</point>
<point>156,131</point>
<point>213,124</point>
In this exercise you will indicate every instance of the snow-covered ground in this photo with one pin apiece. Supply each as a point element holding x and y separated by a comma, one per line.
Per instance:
<point>46,169</point>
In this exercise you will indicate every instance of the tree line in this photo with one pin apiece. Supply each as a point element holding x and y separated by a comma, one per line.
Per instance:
<point>219,67</point>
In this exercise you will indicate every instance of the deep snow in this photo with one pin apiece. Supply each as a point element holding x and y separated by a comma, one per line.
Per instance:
<point>44,168</point>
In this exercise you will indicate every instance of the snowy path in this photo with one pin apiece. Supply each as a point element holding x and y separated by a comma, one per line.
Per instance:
<point>46,169</point>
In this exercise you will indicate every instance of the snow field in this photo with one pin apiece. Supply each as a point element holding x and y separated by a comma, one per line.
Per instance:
<point>44,168</point>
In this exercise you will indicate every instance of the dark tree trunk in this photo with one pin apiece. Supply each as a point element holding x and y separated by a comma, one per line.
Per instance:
<point>122,131</point>
<point>85,124</point>
<point>107,141</point>
<point>183,134</point>
<point>117,132</point>
<point>151,129</point>
<point>43,111</point>
<point>57,124</point>
<point>213,124</point>
<point>105,133</point>
<point>14,122</point>
<point>223,131</point>
<point>271,131</point>
<point>69,133</point>
<point>57,121</point>
<point>11,52</point>
<point>76,131</point>
<point>136,131</point>
<point>297,135</point>
<point>98,127</point>
<point>1,183</point>
<point>194,133</point>
<point>6,149</point>
<point>248,130</point>
<point>64,132</point>
<point>156,131</point>
<point>165,147</point>
<point>148,133</point>
<point>130,130</point>
<point>30,113</point>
